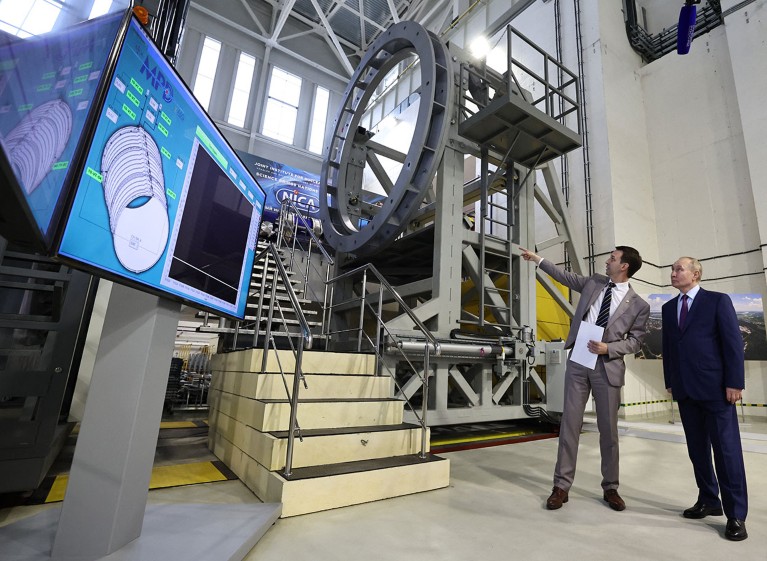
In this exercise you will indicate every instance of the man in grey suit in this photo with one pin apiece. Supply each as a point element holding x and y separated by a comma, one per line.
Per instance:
<point>608,301</point>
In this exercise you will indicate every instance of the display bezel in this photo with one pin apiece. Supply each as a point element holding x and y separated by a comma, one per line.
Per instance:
<point>23,231</point>
<point>126,280</point>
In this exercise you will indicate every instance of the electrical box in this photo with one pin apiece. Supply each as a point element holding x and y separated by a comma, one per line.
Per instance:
<point>556,362</point>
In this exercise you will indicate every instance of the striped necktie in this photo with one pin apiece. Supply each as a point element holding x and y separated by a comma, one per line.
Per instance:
<point>604,309</point>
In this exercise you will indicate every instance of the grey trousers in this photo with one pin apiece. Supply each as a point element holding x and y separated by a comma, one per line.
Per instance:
<point>579,382</point>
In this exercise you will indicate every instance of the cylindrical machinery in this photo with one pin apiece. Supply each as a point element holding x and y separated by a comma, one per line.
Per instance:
<point>355,219</point>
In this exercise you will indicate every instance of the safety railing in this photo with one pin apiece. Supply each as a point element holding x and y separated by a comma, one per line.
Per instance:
<point>531,72</point>
<point>299,235</point>
<point>542,72</point>
<point>370,331</point>
<point>298,341</point>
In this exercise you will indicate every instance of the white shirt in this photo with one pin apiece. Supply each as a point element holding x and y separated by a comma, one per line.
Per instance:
<point>691,294</point>
<point>619,293</point>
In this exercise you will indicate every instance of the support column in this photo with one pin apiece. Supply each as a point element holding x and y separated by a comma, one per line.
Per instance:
<point>447,236</point>
<point>109,480</point>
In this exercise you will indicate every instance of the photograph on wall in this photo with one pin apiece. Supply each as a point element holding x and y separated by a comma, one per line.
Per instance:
<point>748,307</point>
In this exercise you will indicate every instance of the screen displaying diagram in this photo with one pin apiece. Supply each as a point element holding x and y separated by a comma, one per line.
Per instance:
<point>47,90</point>
<point>163,202</point>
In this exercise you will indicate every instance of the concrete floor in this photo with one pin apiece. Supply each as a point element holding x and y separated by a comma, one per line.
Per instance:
<point>494,509</point>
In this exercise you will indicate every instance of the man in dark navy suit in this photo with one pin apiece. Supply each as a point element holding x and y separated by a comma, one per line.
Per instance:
<point>704,371</point>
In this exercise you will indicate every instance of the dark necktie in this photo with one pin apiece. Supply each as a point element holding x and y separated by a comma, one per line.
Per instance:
<point>604,309</point>
<point>683,311</point>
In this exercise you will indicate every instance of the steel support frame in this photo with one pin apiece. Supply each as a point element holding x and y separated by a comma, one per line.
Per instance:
<point>463,390</point>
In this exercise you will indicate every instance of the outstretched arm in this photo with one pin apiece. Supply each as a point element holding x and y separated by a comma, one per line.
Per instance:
<point>528,255</point>
<point>571,280</point>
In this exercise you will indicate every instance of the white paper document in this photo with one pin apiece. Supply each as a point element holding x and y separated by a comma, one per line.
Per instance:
<point>581,353</point>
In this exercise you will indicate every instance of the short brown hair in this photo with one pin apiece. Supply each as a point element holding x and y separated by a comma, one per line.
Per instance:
<point>631,256</point>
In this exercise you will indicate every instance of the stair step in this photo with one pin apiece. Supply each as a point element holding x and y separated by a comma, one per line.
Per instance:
<point>319,446</point>
<point>274,415</point>
<point>308,433</point>
<point>255,281</point>
<point>303,495</point>
<point>265,308</point>
<point>314,362</point>
<point>354,447</point>
<point>276,318</point>
<point>281,296</point>
<point>241,331</point>
<point>312,472</point>
<point>272,386</point>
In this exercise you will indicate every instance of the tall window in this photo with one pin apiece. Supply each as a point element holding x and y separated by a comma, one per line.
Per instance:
<point>206,71</point>
<point>282,105</point>
<point>100,7</point>
<point>29,18</point>
<point>241,94</point>
<point>319,119</point>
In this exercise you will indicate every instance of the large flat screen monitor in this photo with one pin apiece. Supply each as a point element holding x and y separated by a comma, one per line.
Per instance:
<point>162,202</point>
<point>49,90</point>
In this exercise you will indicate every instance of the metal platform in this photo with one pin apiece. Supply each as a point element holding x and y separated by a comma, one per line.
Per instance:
<point>172,532</point>
<point>510,124</point>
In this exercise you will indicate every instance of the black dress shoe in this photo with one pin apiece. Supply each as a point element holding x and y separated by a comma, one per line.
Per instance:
<point>701,510</point>
<point>736,530</point>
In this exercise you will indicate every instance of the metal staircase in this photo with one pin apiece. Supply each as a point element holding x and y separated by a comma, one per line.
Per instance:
<point>239,335</point>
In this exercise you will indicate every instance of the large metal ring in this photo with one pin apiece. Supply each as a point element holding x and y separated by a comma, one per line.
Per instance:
<point>352,223</point>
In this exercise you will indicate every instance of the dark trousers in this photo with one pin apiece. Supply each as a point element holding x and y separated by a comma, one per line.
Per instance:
<point>714,425</point>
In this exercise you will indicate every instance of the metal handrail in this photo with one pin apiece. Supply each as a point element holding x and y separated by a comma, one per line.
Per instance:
<point>303,323</point>
<point>410,313</point>
<point>551,90</point>
<point>431,341</point>
<point>289,203</point>
<point>305,337</point>
<point>286,207</point>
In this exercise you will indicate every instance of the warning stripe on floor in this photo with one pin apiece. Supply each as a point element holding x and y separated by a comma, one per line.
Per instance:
<point>183,424</point>
<point>163,425</point>
<point>162,477</point>
<point>483,441</point>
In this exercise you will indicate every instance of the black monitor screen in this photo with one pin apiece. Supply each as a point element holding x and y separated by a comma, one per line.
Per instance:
<point>48,86</point>
<point>203,255</point>
<point>162,201</point>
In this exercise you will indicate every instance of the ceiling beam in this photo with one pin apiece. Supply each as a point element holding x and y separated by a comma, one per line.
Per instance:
<point>282,20</point>
<point>266,41</point>
<point>393,10</point>
<point>340,54</point>
<point>253,16</point>
<point>320,30</point>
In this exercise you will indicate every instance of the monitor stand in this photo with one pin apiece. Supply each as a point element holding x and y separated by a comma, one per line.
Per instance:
<point>104,508</point>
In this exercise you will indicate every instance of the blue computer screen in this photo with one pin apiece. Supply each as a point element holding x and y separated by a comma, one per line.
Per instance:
<point>47,89</point>
<point>163,202</point>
